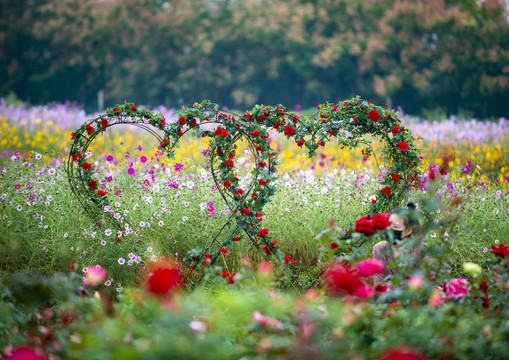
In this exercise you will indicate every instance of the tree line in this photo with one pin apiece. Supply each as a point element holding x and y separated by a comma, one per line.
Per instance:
<point>451,55</point>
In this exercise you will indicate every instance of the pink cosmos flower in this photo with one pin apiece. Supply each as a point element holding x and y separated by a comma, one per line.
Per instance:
<point>456,288</point>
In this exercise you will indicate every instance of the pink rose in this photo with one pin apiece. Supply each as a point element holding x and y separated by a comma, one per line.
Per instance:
<point>370,267</point>
<point>456,288</point>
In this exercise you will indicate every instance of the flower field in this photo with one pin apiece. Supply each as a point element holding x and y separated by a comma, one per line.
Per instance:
<point>105,288</point>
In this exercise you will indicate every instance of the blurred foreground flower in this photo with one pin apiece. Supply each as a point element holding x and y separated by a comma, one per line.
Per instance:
<point>95,275</point>
<point>24,353</point>
<point>402,354</point>
<point>472,268</point>
<point>456,288</point>
<point>164,277</point>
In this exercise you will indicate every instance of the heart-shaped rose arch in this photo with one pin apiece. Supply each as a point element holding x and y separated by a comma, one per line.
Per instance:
<point>346,121</point>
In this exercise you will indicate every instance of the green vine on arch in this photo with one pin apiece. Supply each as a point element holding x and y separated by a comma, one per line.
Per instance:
<point>346,121</point>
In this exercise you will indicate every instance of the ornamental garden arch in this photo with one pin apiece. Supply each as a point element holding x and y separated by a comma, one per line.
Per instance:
<point>346,121</point>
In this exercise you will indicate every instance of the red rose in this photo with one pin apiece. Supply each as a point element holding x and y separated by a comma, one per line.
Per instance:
<point>295,119</point>
<point>502,250</point>
<point>374,115</point>
<point>164,143</point>
<point>89,129</point>
<point>116,109</point>
<point>267,250</point>
<point>386,190</point>
<point>133,108</point>
<point>321,143</point>
<point>262,164</point>
<point>165,279</point>
<point>224,133</point>
<point>225,274</point>
<point>403,146</point>
<point>380,221</point>
<point>223,251</point>
<point>259,148</point>
<point>92,184</point>
<point>227,184</point>
<point>287,258</point>
<point>229,163</point>
<point>24,353</point>
<point>334,107</point>
<point>104,123</point>
<point>395,130</point>
<point>87,166</point>
<point>182,120</point>
<point>289,130</point>
<point>255,133</point>
<point>263,232</point>
<point>249,116</point>
<point>261,117</point>
<point>262,182</point>
<point>300,142</point>
<point>231,278</point>
<point>364,226</point>
<point>236,238</point>
<point>253,195</point>
<point>333,246</point>
<point>101,193</point>
<point>276,125</point>
<point>72,135</point>
<point>402,354</point>
<point>193,123</point>
<point>180,133</point>
<point>340,278</point>
<point>246,211</point>
<point>218,131</point>
<point>395,177</point>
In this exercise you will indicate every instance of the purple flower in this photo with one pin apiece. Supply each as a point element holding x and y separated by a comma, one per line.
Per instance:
<point>321,163</point>
<point>130,171</point>
<point>323,156</point>
<point>143,159</point>
<point>178,166</point>
<point>108,157</point>
<point>205,152</point>
<point>140,148</point>
<point>29,185</point>
<point>17,186</point>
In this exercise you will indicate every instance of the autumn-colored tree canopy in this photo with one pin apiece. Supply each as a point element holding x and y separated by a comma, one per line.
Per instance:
<point>421,54</point>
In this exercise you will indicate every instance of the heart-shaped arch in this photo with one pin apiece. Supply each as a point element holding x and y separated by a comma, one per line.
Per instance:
<point>347,121</point>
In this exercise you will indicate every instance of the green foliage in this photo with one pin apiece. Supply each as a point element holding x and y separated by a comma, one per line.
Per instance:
<point>420,54</point>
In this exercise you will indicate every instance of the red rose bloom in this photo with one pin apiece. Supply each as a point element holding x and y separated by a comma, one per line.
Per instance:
<point>193,123</point>
<point>249,116</point>
<point>287,258</point>
<point>374,115</point>
<point>502,250</point>
<point>402,354</point>
<point>24,353</point>
<point>101,193</point>
<point>333,246</point>
<point>223,251</point>
<point>133,108</point>
<point>262,182</point>
<point>229,163</point>
<point>224,133</point>
<point>403,146</point>
<point>182,120</point>
<point>255,133</point>
<point>364,226</point>
<point>89,129</point>
<point>253,195</point>
<point>386,190</point>
<point>395,177</point>
<point>261,117</point>
<point>262,164</point>
<point>218,131</point>
<point>180,133</point>
<point>87,166</point>
<point>227,184</point>
<point>116,109</point>
<point>289,130</point>
<point>395,130</point>
<point>92,184</point>
<point>263,232</point>
<point>165,279</point>
<point>225,274</point>
<point>164,143</point>
<point>300,142</point>
<point>341,278</point>
<point>276,125</point>
<point>104,123</point>
<point>259,148</point>
<point>380,221</point>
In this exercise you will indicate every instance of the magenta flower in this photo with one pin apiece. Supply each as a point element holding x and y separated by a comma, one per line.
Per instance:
<point>143,159</point>
<point>178,166</point>
<point>95,275</point>
<point>130,171</point>
<point>456,288</point>
<point>370,267</point>
<point>108,157</point>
